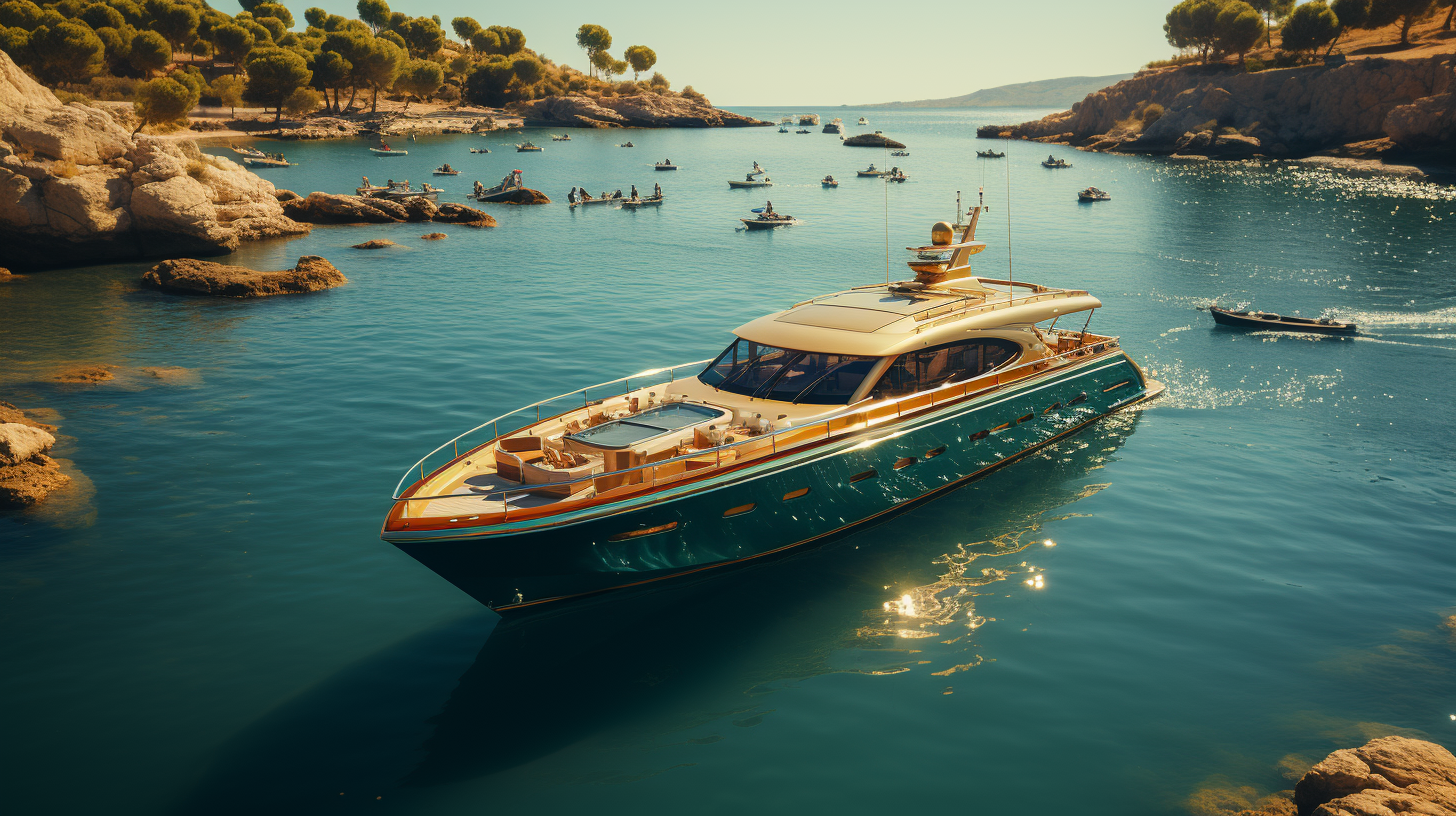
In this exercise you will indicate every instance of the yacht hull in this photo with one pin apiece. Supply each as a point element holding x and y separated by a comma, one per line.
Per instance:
<point>518,567</point>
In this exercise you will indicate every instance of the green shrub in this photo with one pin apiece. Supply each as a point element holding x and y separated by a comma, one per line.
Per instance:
<point>1254,65</point>
<point>1152,113</point>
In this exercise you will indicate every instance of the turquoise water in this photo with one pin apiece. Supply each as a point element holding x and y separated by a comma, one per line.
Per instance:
<point>1256,566</point>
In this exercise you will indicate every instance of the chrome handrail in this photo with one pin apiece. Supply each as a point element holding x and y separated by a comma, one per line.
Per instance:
<point>984,383</point>
<point>626,381</point>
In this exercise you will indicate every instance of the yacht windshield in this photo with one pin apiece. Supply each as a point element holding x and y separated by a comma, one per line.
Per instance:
<point>784,375</point>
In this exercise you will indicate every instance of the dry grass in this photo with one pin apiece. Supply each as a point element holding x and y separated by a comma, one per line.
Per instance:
<point>65,169</point>
<point>196,169</point>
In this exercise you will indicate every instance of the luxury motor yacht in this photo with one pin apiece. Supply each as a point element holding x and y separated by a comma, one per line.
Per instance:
<point>814,420</point>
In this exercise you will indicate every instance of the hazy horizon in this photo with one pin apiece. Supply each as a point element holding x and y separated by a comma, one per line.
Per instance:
<point>839,55</point>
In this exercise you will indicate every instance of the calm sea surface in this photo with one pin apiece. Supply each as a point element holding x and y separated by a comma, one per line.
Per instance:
<point>1137,621</point>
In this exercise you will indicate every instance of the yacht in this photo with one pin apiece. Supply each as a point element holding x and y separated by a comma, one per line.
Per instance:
<point>862,121</point>
<point>815,420</point>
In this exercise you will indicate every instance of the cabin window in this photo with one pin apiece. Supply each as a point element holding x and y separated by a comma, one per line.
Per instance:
<point>934,452</point>
<point>859,477</point>
<point>1026,418</point>
<point>939,365</point>
<point>739,510</point>
<point>645,531</point>
<point>904,462</point>
<point>1054,406</point>
<point>768,372</point>
<point>1080,398</point>
<point>794,494</point>
<point>979,435</point>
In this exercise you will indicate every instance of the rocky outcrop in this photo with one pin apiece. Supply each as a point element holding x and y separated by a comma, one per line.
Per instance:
<point>332,208</point>
<point>523,195</point>
<point>194,277</point>
<point>1221,112</point>
<point>1384,776</point>
<point>27,473</point>
<point>377,243</point>
<point>640,110</point>
<point>76,187</point>
<point>434,236</point>
<point>872,140</point>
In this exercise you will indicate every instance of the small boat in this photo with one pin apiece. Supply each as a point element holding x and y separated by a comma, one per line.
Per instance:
<point>386,150</point>
<point>618,198</point>
<point>626,144</point>
<point>527,147</point>
<point>757,170</point>
<point>900,153</point>
<point>665,164</point>
<point>479,150</point>
<point>813,422</point>
<point>990,154</point>
<point>872,172</point>
<point>1269,320</point>
<point>272,160</point>
<point>1055,164</point>
<point>403,191</point>
<point>508,185</point>
<point>766,218</point>
<point>862,121</point>
<point>896,174</point>
<point>1093,194</point>
<point>836,126</point>
<point>783,129</point>
<point>750,182</point>
<point>807,119</point>
<point>803,130</point>
<point>446,170</point>
<point>634,203</point>
<point>828,181</point>
<point>249,151</point>
<point>565,137</point>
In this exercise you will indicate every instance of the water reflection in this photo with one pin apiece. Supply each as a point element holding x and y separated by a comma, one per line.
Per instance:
<point>686,666</point>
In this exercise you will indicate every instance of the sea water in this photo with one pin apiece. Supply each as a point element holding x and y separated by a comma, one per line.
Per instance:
<point>1178,607</point>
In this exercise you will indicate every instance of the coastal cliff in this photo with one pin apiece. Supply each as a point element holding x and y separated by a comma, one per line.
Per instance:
<point>640,111</point>
<point>76,187</point>
<point>1363,107</point>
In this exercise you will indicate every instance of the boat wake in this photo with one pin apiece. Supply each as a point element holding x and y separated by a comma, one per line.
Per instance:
<point>1192,388</point>
<point>1397,320</point>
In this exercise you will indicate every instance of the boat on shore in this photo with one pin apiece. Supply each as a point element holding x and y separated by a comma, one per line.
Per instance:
<point>247,150</point>
<point>814,421</point>
<point>1093,194</point>
<point>399,191</point>
<point>1276,322</point>
<point>528,147</point>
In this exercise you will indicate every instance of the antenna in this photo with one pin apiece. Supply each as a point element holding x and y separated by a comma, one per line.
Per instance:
<point>886,185</point>
<point>1010,275</point>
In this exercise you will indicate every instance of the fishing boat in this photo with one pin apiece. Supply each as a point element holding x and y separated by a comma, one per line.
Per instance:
<point>1093,194</point>
<point>817,420</point>
<point>828,181</point>
<point>249,151</point>
<point>446,170</point>
<point>479,150</point>
<point>1055,163</point>
<point>269,160</point>
<point>565,137</point>
<point>990,154</point>
<point>862,121</point>
<point>602,199</point>
<point>765,218</point>
<point>750,182</point>
<point>509,186</point>
<point>528,147</point>
<point>871,172</point>
<point>665,164</point>
<point>896,174</point>
<point>402,191</point>
<point>803,130</point>
<point>386,150</point>
<point>900,153</point>
<point>646,201</point>
<point>1269,320</point>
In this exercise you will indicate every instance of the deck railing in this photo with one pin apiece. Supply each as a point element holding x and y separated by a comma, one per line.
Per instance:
<point>855,418</point>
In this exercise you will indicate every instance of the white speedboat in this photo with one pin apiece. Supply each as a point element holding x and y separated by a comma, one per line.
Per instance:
<point>816,420</point>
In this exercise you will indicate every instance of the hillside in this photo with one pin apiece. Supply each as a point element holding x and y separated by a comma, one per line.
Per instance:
<point>1044,93</point>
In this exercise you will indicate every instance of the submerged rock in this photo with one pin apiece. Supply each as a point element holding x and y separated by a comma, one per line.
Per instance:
<point>27,474</point>
<point>194,277</point>
<point>434,236</point>
<point>872,140</point>
<point>377,243</point>
<point>86,374</point>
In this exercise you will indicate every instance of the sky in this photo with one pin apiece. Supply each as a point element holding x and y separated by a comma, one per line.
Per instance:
<point>832,53</point>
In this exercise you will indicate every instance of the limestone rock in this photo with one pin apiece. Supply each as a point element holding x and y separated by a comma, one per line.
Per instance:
<point>523,195</point>
<point>190,276</point>
<point>10,414</point>
<point>377,243</point>
<point>86,375</point>
<point>332,208</point>
<point>6,275</point>
<point>1427,122</point>
<point>639,110</point>
<point>286,195</point>
<point>419,209</point>
<point>451,213</point>
<point>29,482</point>
<point>872,140</point>
<point>1384,776</point>
<point>19,443</point>
<point>434,236</point>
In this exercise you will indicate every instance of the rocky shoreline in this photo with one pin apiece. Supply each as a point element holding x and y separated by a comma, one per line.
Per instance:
<point>1378,112</point>
<point>637,111</point>
<point>27,472</point>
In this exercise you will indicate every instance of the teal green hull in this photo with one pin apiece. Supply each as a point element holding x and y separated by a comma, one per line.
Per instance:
<point>912,461</point>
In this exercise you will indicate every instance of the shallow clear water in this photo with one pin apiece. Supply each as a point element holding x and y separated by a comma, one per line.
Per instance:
<point>1255,566</point>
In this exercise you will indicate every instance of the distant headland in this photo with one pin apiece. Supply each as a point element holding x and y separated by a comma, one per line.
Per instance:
<point>1043,93</point>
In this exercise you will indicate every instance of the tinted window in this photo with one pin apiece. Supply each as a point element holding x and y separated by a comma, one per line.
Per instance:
<point>934,367</point>
<point>788,376</point>
<point>746,366</point>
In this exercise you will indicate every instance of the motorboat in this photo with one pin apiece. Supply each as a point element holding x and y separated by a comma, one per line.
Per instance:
<point>765,218</point>
<point>990,154</point>
<point>1055,163</point>
<point>896,174</point>
<point>644,201</point>
<point>836,126</point>
<point>604,198</point>
<point>871,172</point>
<point>803,130</point>
<point>528,147</point>
<point>1093,194</point>
<point>808,119</point>
<point>266,160</point>
<point>783,129</point>
<point>252,152</point>
<point>626,144</point>
<point>508,187</point>
<point>386,150</point>
<point>862,121</point>
<point>750,182</point>
<point>900,153</point>
<point>828,181</point>
<point>665,164</point>
<point>1269,320</point>
<point>815,421</point>
<point>403,190</point>
<point>565,137</point>
<point>479,150</point>
<point>446,170</point>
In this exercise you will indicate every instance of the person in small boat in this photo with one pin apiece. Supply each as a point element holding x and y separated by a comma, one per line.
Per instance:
<point>571,196</point>
<point>585,196</point>
<point>657,191</point>
<point>480,188</point>
<point>756,168</point>
<point>748,177</point>
<point>768,211</point>
<point>366,182</point>
<point>390,184</point>
<point>634,192</point>
<point>617,194</point>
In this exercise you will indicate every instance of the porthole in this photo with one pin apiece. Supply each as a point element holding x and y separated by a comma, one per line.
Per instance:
<point>1054,406</point>
<point>859,477</point>
<point>904,462</point>
<point>1080,398</point>
<point>794,494</point>
<point>739,510</point>
<point>645,531</point>
<point>934,452</point>
<point>1026,418</point>
<point>981,435</point>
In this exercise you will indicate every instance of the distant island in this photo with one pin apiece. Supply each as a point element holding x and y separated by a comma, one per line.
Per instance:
<point>1044,93</point>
